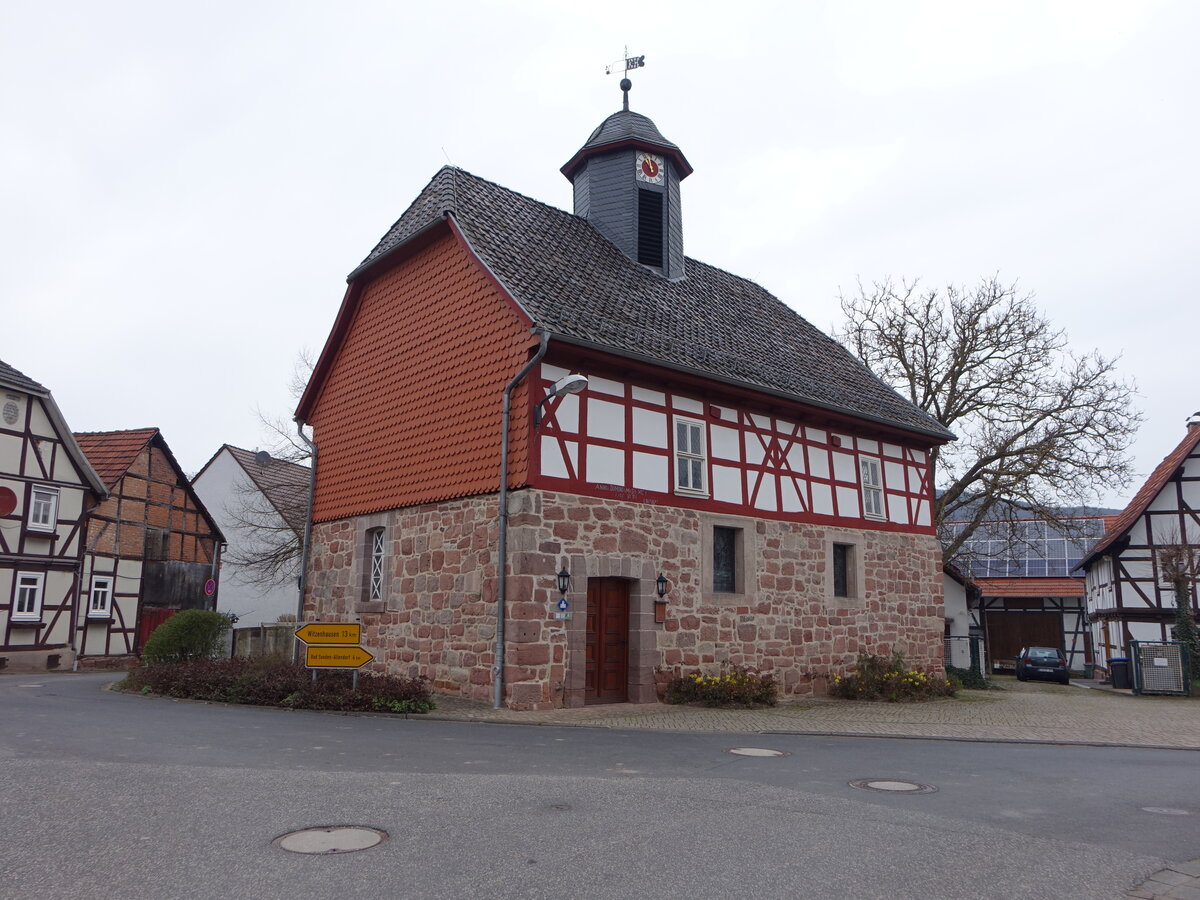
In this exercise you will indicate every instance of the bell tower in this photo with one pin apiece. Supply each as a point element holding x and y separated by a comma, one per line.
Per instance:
<point>626,179</point>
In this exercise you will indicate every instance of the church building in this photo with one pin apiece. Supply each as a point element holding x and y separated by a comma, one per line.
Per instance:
<point>558,462</point>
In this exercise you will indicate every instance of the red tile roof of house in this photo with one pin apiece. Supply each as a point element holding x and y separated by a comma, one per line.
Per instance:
<point>1144,497</point>
<point>1030,587</point>
<point>111,453</point>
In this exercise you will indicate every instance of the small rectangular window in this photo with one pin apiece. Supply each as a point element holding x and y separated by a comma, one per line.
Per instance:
<point>156,543</point>
<point>650,228</point>
<point>28,605</point>
<point>689,456</point>
<point>43,508</point>
<point>843,558</point>
<point>724,560</point>
<point>872,487</point>
<point>375,588</point>
<point>100,598</point>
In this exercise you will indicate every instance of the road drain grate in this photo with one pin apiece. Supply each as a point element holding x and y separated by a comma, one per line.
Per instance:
<point>886,786</point>
<point>329,839</point>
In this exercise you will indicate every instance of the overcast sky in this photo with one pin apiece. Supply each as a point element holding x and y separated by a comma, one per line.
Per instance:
<point>186,186</point>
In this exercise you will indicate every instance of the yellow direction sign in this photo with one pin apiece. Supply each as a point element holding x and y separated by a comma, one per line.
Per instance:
<point>336,657</point>
<point>330,633</point>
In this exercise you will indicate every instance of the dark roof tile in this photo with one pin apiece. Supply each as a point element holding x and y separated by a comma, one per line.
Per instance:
<point>572,281</point>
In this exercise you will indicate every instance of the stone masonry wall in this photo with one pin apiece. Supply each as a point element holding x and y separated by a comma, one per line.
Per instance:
<point>437,618</point>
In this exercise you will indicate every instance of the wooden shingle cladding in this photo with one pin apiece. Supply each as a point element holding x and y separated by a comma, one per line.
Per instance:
<point>410,410</point>
<point>38,455</point>
<point>150,544</point>
<point>1128,597</point>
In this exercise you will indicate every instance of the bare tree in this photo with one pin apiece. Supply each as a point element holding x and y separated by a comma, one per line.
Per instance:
<point>1039,427</point>
<point>280,431</point>
<point>1179,566</point>
<point>269,511</point>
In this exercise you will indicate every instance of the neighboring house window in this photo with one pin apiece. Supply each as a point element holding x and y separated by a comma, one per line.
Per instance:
<point>724,572</point>
<point>28,606</point>
<point>689,456</point>
<point>843,570</point>
<point>100,598</point>
<point>375,586</point>
<point>872,487</point>
<point>43,508</point>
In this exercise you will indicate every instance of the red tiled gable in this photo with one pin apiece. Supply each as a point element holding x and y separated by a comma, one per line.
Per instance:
<point>1030,587</point>
<point>1145,496</point>
<point>409,412</point>
<point>111,453</point>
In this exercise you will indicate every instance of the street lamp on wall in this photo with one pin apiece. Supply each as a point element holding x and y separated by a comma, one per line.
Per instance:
<point>660,605</point>
<point>568,384</point>
<point>564,581</point>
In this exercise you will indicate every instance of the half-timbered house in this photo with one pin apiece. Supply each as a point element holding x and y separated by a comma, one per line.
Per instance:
<point>1129,597</point>
<point>721,442</point>
<point>47,486</point>
<point>151,546</point>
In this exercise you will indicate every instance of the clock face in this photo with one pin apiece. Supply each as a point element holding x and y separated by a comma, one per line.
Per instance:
<point>649,168</point>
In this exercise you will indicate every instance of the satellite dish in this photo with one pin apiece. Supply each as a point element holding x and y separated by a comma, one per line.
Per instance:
<point>263,458</point>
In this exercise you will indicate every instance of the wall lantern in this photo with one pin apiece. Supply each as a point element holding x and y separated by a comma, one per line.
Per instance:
<point>661,586</point>
<point>660,605</point>
<point>568,384</point>
<point>564,581</point>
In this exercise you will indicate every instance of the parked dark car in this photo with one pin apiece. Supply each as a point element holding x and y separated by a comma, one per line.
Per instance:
<point>1048,663</point>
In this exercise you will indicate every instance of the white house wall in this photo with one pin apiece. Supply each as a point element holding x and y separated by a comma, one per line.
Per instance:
<point>619,436</point>
<point>224,488</point>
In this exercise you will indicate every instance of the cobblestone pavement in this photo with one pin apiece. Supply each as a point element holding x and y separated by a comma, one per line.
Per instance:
<point>1082,713</point>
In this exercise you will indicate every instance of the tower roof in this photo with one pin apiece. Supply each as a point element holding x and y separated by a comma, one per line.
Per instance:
<point>626,129</point>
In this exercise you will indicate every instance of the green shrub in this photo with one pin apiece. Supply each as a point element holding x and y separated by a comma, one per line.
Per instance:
<point>878,677</point>
<point>968,678</point>
<point>189,634</point>
<point>736,686</point>
<point>275,682</point>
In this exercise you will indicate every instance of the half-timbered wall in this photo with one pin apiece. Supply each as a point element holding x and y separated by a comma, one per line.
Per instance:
<point>149,526</point>
<point>1129,598</point>
<point>34,461</point>
<point>621,440</point>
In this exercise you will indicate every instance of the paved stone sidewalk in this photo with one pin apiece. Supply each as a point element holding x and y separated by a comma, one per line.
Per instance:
<point>1179,881</point>
<point>1020,712</point>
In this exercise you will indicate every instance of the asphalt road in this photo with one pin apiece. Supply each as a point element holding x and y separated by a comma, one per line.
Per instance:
<point>103,794</point>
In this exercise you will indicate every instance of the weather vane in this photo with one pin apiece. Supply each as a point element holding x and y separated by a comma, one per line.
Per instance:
<point>627,63</point>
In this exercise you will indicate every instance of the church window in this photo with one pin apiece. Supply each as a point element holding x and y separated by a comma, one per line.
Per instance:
<point>689,456</point>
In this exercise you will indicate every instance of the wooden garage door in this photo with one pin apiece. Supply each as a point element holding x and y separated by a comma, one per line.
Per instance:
<point>1008,632</point>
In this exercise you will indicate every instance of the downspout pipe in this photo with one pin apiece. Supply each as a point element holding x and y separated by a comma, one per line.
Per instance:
<point>302,581</point>
<point>502,553</point>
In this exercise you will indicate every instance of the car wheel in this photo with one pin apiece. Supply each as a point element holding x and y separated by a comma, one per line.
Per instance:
<point>1066,679</point>
<point>1020,676</point>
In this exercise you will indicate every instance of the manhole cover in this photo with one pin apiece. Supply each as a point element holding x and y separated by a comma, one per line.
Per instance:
<point>886,786</point>
<point>756,751</point>
<point>1165,811</point>
<point>327,839</point>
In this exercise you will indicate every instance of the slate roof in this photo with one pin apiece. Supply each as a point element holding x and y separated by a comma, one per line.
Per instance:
<point>111,453</point>
<point>573,282</point>
<point>19,380</point>
<point>625,127</point>
<point>1158,479</point>
<point>283,483</point>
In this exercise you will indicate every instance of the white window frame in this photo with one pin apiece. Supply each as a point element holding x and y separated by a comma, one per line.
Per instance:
<point>49,506</point>
<point>690,457</point>
<point>102,585</point>
<point>36,583</point>
<point>377,551</point>
<point>870,473</point>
